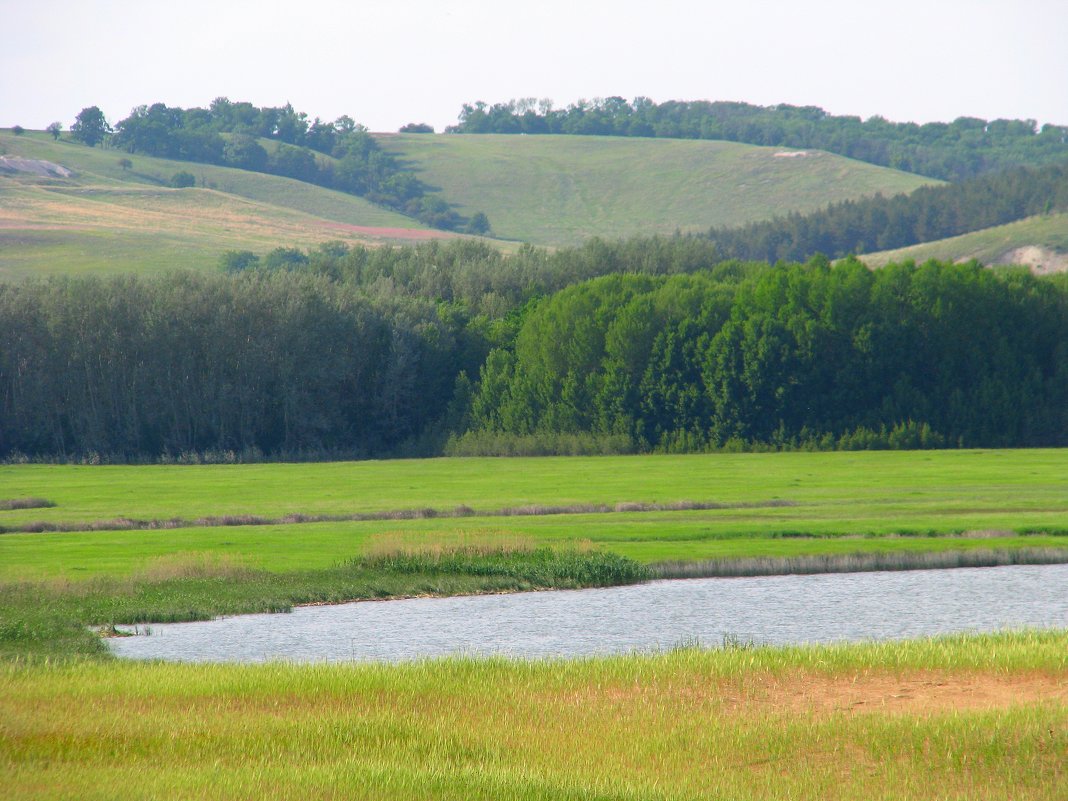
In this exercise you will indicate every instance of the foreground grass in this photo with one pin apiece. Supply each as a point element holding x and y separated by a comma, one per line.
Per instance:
<point>733,723</point>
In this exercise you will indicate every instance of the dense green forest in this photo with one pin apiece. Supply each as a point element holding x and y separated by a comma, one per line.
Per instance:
<point>641,345</point>
<point>951,151</point>
<point>938,355</point>
<point>885,223</point>
<point>229,134</point>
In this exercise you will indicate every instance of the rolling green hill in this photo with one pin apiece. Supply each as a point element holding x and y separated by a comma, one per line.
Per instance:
<point>553,190</point>
<point>1038,242</point>
<point>105,218</point>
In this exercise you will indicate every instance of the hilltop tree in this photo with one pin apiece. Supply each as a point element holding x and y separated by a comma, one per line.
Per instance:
<point>55,129</point>
<point>90,126</point>
<point>478,224</point>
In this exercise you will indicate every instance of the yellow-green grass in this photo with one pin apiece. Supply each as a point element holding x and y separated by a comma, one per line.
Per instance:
<point>556,190</point>
<point>838,503</point>
<point>106,219</point>
<point>955,718</point>
<point>1041,241</point>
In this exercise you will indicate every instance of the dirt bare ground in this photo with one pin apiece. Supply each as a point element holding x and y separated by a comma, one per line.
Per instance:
<point>45,169</point>
<point>1041,260</point>
<point>915,693</point>
<point>907,693</point>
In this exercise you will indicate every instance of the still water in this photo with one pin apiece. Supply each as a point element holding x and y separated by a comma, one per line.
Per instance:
<point>657,615</point>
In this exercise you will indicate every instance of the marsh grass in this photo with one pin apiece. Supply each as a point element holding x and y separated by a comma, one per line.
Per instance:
<point>858,562</point>
<point>474,542</point>
<point>500,553</point>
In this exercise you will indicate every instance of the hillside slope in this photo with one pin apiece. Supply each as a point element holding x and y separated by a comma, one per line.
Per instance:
<point>1039,242</point>
<point>553,190</point>
<point>105,218</point>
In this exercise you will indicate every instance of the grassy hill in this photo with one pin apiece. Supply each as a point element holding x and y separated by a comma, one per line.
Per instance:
<point>106,219</point>
<point>564,189</point>
<point>1039,242</point>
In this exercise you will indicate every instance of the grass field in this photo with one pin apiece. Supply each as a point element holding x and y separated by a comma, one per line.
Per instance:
<point>778,505</point>
<point>107,219</point>
<point>1034,241</point>
<point>553,190</point>
<point>957,718</point>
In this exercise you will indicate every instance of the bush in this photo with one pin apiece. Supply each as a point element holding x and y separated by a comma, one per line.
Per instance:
<point>183,180</point>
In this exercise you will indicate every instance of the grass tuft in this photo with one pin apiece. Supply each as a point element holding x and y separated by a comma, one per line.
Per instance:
<point>10,504</point>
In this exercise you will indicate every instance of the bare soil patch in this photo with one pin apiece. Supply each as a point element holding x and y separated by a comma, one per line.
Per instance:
<point>916,693</point>
<point>1041,260</point>
<point>45,169</point>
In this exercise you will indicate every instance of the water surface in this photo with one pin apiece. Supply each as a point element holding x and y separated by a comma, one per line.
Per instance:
<point>657,615</point>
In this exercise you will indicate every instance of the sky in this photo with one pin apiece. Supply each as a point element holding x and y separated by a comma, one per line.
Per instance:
<point>393,62</point>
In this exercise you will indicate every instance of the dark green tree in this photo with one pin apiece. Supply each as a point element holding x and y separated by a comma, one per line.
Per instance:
<point>55,128</point>
<point>90,127</point>
<point>478,224</point>
<point>183,180</point>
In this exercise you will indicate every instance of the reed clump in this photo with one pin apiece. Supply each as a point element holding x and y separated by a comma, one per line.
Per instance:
<point>499,553</point>
<point>11,504</point>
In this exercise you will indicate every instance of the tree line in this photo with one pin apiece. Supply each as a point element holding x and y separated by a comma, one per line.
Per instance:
<point>644,345</point>
<point>883,223</point>
<point>792,356</point>
<point>260,363</point>
<point>338,155</point>
<point>952,151</point>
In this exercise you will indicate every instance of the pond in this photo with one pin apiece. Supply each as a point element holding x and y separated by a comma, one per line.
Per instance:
<point>645,617</point>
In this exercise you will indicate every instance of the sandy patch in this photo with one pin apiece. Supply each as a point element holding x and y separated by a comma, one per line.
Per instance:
<point>1042,261</point>
<point>916,694</point>
<point>46,169</point>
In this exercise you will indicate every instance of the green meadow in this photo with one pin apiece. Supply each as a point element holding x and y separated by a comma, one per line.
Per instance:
<point>980,716</point>
<point>999,245</point>
<point>106,219</point>
<point>560,190</point>
<point>116,519</point>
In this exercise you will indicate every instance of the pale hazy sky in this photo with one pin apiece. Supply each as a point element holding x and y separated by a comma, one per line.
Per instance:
<point>390,62</point>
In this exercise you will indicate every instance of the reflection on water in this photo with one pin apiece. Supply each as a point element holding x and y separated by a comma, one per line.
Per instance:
<point>657,615</point>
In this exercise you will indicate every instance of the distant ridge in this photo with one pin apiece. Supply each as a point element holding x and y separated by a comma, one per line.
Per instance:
<point>562,190</point>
